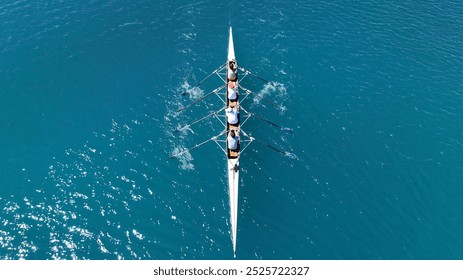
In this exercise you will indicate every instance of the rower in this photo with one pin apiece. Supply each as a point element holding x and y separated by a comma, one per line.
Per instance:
<point>232,65</point>
<point>232,115</point>
<point>231,70</point>
<point>232,91</point>
<point>232,141</point>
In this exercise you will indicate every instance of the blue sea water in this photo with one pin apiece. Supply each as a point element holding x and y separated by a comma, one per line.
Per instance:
<point>372,89</point>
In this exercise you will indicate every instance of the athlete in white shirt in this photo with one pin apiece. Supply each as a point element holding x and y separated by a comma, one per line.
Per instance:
<point>232,115</point>
<point>232,140</point>
<point>231,91</point>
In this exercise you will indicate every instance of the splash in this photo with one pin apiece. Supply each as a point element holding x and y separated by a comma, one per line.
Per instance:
<point>273,87</point>
<point>193,92</point>
<point>291,156</point>
<point>176,99</point>
<point>185,158</point>
<point>267,95</point>
<point>187,129</point>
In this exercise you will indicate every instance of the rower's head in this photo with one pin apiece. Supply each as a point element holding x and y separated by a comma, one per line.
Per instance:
<point>232,134</point>
<point>231,84</point>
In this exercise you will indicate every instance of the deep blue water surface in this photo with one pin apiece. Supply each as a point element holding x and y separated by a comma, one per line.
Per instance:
<point>373,91</point>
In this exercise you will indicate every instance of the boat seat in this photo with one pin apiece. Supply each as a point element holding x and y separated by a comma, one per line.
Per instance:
<point>234,154</point>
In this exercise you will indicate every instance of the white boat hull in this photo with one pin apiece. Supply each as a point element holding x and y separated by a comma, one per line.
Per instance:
<point>233,157</point>
<point>233,184</point>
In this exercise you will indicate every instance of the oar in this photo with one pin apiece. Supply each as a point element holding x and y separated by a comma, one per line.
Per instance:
<point>200,99</point>
<point>192,148</point>
<point>199,120</point>
<point>284,153</point>
<point>203,80</point>
<point>285,129</point>
<point>196,146</point>
<point>250,73</point>
<point>261,97</point>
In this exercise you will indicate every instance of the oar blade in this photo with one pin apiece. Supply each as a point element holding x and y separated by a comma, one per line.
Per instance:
<point>180,129</point>
<point>287,130</point>
<point>291,155</point>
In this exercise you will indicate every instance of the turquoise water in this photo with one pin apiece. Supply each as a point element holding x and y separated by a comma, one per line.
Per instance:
<point>373,92</point>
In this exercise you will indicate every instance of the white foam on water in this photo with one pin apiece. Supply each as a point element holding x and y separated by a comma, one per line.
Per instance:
<point>270,93</point>
<point>185,158</point>
<point>291,155</point>
<point>101,246</point>
<point>138,234</point>
<point>273,87</point>
<point>82,184</point>
<point>189,36</point>
<point>193,93</point>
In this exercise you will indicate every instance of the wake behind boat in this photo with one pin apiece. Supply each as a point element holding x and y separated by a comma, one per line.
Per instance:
<point>233,135</point>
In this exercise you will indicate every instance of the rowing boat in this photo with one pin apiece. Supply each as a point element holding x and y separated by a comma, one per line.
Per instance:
<point>228,73</point>
<point>233,156</point>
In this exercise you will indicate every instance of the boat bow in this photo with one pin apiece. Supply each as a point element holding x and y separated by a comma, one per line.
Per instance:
<point>231,47</point>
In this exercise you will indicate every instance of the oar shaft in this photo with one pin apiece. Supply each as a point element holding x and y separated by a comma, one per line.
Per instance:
<point>199,120</point>
<point>250,73</point>
<point>208,76</point>
<point>276,149</point>
<point>197,145</point>
<point>192,148</point>
<point>195,122</point>
<point>265,144</point>
<point>267,121</point>
<point>200,99</point>
<point>285,129</point>
<point>260,97</point>
<point>261,118</point>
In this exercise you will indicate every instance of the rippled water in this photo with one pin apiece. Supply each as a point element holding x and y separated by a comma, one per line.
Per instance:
<point>89,93</point>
